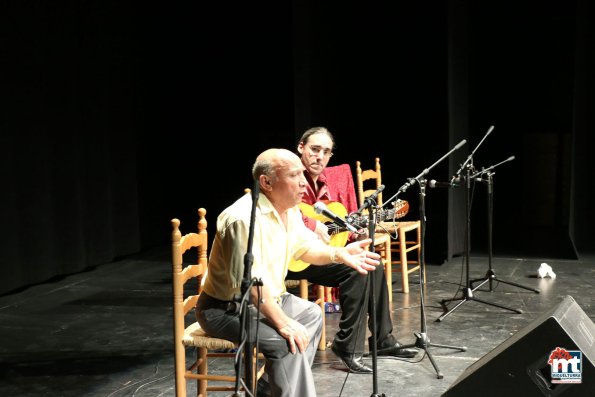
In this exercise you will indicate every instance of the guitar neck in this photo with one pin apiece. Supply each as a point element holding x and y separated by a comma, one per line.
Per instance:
<point>359,221</point>
<point>362,221</point>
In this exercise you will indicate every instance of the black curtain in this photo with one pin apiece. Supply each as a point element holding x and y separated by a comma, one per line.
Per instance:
<point>105,103</point>
<point>523,69</point>
<point>582,194</point>
<point>68,153</point>
<point>118,116</point>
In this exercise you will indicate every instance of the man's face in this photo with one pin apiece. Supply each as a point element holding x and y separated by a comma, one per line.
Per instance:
<point>289,185</point>
<point>316,153</point>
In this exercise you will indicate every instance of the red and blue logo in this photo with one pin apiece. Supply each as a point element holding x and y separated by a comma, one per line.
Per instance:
<point>567,365</point>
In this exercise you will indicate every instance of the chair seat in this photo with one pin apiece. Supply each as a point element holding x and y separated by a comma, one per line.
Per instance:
<point>195,336</point>
<point>392,227</point>
<point>381,238</point>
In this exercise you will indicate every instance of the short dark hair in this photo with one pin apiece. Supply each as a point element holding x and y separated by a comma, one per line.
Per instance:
<point>316,130</point>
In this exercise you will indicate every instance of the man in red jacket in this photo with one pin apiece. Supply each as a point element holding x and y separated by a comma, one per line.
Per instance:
<point>315,148</point>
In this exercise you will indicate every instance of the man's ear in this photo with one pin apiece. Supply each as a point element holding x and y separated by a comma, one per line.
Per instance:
<point>300,147</point>
<point>265,182</point>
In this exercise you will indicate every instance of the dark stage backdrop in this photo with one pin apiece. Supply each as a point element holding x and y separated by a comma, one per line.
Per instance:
<point>117,117</point>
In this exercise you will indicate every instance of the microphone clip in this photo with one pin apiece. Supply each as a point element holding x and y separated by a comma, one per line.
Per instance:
<point>371,199</point>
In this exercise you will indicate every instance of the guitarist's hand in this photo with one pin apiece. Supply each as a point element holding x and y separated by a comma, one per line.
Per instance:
<point>322,232</point>
<point>356,256</point>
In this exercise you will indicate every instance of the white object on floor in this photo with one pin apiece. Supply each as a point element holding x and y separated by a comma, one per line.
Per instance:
<point>545,270</point>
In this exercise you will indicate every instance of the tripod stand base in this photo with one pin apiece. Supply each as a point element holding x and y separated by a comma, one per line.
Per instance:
<point>468,296</point>
<point>491,277</point>
<point>422,341</point>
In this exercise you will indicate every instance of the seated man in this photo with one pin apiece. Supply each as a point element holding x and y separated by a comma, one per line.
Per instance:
<point>289,328</point>
<point>316,147</point>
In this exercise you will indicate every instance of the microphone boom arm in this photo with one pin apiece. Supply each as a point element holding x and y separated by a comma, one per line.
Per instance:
<point>411,181</point>
<point>480,173</point>
<point>474,150</point>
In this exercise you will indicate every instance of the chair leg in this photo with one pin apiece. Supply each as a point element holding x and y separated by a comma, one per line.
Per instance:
<point>203,369</point>
<point>304,289</point>
<point>328,294</point>
<point>419,250</point>
<point>404,266</point>
<point>320,299</point>
<point>388,270</point>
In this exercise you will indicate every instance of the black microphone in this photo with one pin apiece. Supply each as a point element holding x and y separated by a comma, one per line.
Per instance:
<point>376,193</point>
<point>320,208</point>
<point>368,201</point>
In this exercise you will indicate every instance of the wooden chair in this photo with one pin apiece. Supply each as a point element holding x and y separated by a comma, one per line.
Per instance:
<point>187,332</point>
<point>407,233</point>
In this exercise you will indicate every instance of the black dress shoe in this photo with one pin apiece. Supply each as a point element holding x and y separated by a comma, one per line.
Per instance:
<point>354,362</point>
<point>397,350</point>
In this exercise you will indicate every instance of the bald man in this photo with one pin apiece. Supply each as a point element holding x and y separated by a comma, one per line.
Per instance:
<point>289,328</point>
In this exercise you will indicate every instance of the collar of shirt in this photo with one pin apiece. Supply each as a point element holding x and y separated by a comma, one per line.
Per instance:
<point>316,191</point>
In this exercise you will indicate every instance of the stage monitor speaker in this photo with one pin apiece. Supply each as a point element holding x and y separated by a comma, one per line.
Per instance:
<point>519,366</point>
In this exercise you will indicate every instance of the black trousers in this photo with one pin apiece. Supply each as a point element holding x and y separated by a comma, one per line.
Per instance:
<point>354,297</point>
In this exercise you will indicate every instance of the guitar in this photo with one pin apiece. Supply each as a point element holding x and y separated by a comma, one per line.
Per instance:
<point>339,235</point>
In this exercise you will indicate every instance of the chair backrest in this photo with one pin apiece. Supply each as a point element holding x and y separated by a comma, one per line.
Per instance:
<point>341,186</point>
<point>368,181</point>
<point>192,273</point>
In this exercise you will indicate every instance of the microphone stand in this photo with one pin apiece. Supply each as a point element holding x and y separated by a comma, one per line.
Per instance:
<point>467,292</point>
<point>422,340</point>
<point>491,274</point>
<point>246,344</point>
<point>370,204</point>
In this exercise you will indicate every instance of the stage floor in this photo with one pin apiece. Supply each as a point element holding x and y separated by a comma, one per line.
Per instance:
<point>107,331</point>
